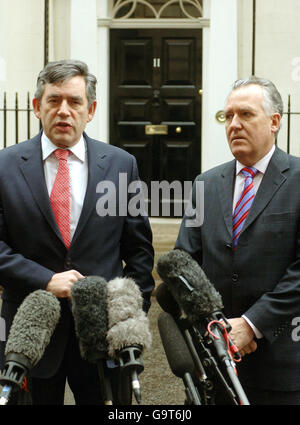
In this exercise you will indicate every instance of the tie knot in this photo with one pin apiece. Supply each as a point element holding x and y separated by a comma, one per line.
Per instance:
<point>62,154</point>
<point>249,172</point>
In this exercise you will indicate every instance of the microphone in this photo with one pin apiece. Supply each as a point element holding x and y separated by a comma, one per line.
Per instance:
<point>195,294</point>
<point>89,308</point>
<point>178,355</point>
<point>90,317</point>
<point>199,300</point>
<point>29,335</point>
<point>166,301</point>
<point>128,328</point>
<point>189,285</point>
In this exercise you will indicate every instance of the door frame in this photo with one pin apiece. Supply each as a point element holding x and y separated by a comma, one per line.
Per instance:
<point>104,26</point>
<point>222,19</point>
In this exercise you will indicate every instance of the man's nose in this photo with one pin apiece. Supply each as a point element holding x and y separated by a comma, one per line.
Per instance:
<point>235,122</point>
<point>63,108</point>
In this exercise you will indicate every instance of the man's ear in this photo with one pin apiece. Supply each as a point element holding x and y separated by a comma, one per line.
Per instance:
<point>92,109</point>
<point>275,125</point>
<point>36,107</point>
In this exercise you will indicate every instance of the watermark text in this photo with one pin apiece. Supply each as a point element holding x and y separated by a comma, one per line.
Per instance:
<point>137,199</point>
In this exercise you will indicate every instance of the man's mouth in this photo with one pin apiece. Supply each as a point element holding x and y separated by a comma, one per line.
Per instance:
<point>237,139</point>
<point>63,124</point>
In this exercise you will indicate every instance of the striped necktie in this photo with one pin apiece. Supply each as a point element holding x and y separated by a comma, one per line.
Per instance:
<point>244,204</point>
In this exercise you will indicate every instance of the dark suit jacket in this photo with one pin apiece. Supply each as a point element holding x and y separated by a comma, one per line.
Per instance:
<point>32,250</point>
<point>262,278</point>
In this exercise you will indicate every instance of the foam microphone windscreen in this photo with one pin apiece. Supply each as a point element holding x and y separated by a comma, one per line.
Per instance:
<point>166,300</point>
<point>177,352</point>
<point>202,299</point>
<point>89,310</point>
<point>128,324</point>
<point>33,326</point>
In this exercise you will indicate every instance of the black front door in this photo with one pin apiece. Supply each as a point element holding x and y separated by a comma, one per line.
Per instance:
<point>155,106</point>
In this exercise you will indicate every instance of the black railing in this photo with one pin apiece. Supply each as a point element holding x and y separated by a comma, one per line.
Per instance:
<point>16,112</point>
<point>6,139</point>
<point>289,115</point>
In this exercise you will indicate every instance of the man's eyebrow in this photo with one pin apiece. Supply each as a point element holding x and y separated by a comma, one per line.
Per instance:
<point>52,95</point>
<point>57,96</point>
<point>79,98</point>
<point>246,108</point>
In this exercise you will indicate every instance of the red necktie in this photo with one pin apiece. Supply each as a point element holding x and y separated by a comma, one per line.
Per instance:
<point>60,195</point>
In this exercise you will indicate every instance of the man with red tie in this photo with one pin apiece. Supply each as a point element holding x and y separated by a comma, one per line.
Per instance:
<point>249,243</point>
<point>51,233</point>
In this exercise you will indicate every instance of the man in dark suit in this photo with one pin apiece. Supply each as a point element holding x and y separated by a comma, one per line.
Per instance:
<point>251,253</point>
<point>42,250</point>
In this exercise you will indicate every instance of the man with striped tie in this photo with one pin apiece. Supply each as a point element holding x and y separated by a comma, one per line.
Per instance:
<point>249,243</point>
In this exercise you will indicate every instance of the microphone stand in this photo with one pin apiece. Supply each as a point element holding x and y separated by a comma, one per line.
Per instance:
<point>206,365</point>
<point>191,391</point>
<point>15,370</point>
<point>220,346</point>
<point>105,383</point>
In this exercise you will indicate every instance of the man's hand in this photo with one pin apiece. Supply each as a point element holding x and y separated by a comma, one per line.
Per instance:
<point>242,335</point>
<point>61,283</point>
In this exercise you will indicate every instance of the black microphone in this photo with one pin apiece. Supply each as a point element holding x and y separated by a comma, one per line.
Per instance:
<point>176,349</point>
<point>89,308</point>
<point>29,335</point>
<point>178,354</point>
<point>194,293</point>
<point>128,328</point>
<point>199,300</point>
<point>189,285</point>
<point>90,317</point>
<point>166,301</point>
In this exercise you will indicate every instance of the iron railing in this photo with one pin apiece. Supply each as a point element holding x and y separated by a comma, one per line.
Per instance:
<point>15,112</point>
<point>289,114</point>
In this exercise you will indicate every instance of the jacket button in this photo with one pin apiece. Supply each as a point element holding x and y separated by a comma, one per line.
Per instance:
<point>235,277</point>
<point>68,263</point>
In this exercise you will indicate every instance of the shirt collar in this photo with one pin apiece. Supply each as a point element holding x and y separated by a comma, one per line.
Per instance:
<point>260,165</point>
<point>48,148</point>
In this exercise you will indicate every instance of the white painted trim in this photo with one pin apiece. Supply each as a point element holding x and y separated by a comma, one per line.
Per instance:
<point>155,23</point>
<point>220,70</point>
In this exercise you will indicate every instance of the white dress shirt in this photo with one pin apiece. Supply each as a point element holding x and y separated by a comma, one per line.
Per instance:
<point>261,166</point>
<point>78,166</point>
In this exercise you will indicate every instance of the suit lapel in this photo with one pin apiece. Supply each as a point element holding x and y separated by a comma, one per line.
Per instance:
<point>225,191</point>
<point>31,165</point>
<point>271,182</point>
<point>97,167</point>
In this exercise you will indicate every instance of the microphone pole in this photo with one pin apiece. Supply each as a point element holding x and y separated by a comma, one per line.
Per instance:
<point>220,345</point>
<point>104,383</point>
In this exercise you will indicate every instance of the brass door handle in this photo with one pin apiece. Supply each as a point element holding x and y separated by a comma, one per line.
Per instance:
<point>178,130</point>
<point>156,129</point>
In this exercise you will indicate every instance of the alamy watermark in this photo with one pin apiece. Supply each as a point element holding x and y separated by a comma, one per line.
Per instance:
<point>2,329</point>
<point>296,330</point>
<point>134,199</point>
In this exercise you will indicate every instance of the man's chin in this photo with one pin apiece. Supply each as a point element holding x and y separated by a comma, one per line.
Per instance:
<point>241,155</point>
<point>64,141</point>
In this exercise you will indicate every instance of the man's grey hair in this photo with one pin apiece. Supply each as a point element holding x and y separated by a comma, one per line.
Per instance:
<point>60,71</point>
<point>272,99</point>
